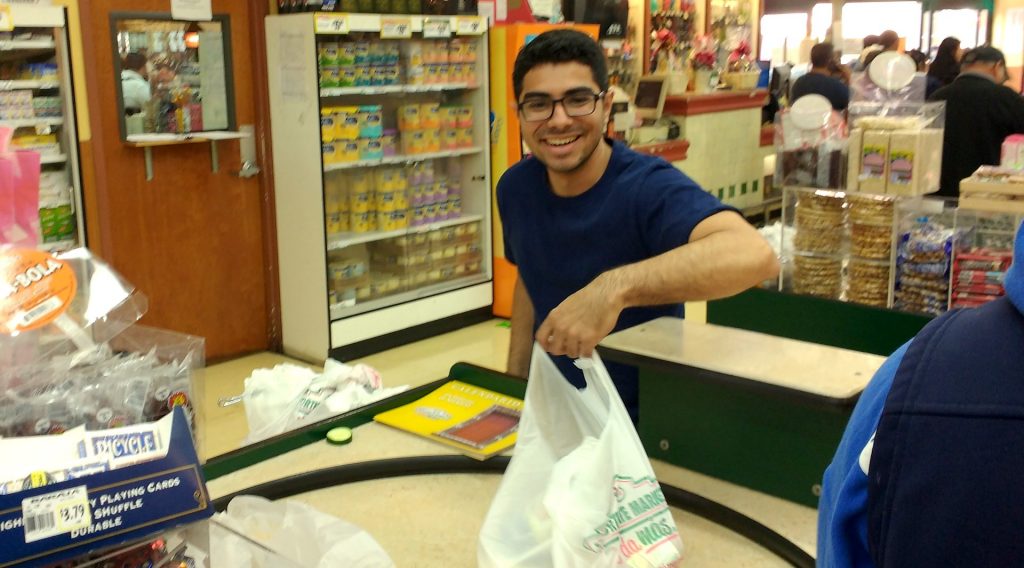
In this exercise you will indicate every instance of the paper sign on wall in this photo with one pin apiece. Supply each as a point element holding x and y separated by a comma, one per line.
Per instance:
<point>6,20</point>
<point>191,10</point>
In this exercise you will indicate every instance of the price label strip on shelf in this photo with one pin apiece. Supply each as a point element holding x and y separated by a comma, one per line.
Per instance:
<point>395,27</point>
<point>56,513</point>
<point>6,20</point>
<point>437,28</point>
<point>332,23</point>
<point>471,25</point>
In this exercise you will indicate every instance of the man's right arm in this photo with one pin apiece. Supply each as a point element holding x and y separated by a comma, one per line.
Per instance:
<point>520,348</point>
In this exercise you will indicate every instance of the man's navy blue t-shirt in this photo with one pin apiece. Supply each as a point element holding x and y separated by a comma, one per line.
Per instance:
<point>640,208</point>
<point>817,84</point>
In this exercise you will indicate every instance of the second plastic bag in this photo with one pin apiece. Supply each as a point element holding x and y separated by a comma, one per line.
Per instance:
<point>292,531</point>
<point>579,491</point>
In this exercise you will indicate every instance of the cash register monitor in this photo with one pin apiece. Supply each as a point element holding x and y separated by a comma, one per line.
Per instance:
<point>650,96</point>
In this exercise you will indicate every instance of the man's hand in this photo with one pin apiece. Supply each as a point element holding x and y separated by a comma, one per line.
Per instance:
<point>576,325</point>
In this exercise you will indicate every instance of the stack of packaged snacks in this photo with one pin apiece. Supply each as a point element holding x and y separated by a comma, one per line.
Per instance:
<point>978,276</point>
<point>871,225</point>
<point>361,63</point>
<point>819,222</point>
<point>922,276</point>
<point>430,127</point>
<point>348,272</point>
<point>868,282</point>
<point>817,275</point>
<point>438,61</point>
<point>391,198</point>
<point>980,264</point>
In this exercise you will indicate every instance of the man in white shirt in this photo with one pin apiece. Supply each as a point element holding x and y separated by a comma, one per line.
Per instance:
<point>135,89</point>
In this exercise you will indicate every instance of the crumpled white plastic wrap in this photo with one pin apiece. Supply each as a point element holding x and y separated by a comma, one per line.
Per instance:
<point>289,396</point>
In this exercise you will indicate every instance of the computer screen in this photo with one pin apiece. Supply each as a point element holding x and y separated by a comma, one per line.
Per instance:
<point>650,96</point>
<point>780,79</point>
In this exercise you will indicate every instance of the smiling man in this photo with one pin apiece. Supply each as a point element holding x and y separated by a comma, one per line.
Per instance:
<point>604,238</point>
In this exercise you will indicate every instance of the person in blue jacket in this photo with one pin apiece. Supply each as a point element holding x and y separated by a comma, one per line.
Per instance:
<point>604,237</point>
<point>928,472</point>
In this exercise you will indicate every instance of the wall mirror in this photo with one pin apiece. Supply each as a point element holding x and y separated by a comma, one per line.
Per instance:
<point>173,77</point>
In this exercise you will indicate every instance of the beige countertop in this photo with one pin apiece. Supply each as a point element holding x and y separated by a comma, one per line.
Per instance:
<point>434,520</point>
<point>812,368</point>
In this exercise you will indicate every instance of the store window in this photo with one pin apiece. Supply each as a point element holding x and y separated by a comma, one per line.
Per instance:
<point>173,76</point>
<point>781,35</point>
<point>968,25</point>
<point>862,19</point>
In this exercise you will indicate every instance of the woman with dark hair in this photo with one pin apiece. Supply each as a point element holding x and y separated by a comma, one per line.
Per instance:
<point>946,65</point>
<point>932,83</point>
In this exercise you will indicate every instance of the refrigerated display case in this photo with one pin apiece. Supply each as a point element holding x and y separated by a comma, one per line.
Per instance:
<point>381,169</point>
<point>37,101</point>
<point>507,147</point>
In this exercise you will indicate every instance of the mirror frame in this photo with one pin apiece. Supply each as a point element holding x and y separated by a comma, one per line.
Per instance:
<point>229,80</point>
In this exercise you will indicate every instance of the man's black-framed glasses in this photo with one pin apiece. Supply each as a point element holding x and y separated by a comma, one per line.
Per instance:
<point>583,102</point>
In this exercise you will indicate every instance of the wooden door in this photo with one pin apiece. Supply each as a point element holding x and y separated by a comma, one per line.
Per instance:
<point>199,244</point>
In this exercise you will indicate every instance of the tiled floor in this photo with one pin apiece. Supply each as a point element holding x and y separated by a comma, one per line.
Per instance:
<point>485,344</point>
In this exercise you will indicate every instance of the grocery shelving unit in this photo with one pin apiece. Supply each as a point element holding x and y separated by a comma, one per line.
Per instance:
<point>351,289</point>
<point>40,34</point>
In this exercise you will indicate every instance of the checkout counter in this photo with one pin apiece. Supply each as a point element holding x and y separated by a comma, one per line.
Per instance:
<point>722,134</point>
<point>738,425</point>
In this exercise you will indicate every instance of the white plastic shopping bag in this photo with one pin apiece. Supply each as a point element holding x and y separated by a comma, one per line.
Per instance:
<point>295,531</point>
<point>579,491</point>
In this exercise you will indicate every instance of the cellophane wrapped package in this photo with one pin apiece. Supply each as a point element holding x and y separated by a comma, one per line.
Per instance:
<point>72,353</point>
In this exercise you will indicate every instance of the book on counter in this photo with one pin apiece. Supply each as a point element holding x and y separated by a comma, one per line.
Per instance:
<point>478,422</point>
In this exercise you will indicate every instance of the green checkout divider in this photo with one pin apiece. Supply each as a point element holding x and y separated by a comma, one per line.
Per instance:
<point>817,320</point>
<point>284,443</point>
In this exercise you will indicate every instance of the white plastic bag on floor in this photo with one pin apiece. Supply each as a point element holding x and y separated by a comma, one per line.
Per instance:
<point>579,491</point>
<point>295,531</point>
<point>288,396</point>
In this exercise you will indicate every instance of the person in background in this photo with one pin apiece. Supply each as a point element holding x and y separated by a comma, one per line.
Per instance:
<point>870,45</point>
<point>946,65</point>
<point>928,470</point>
<point>921,60</point>
<point>980,114</point>
<point>889,41</point>
<point>135,91</point>
<point>604,238</point>
<point>820,81</point>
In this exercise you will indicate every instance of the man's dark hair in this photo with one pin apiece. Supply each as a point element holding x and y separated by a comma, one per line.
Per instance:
<point>560,46</point>
<point>821,54</point>
<point>134,61</point>
<point>870,40</point>
<point>889,40</point>
<point>983,54</point>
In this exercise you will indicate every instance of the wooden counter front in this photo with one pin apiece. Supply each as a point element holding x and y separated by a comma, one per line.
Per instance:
<point>692,105</point>
<point>671,150</point>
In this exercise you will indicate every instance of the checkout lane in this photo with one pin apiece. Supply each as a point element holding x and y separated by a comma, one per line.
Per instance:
<point>433,520</point>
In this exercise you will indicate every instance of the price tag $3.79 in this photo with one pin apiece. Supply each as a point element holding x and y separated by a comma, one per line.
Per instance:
<point>56,513</point>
